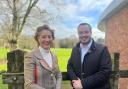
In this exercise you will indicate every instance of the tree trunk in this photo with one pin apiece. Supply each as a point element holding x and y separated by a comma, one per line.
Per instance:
<point>13,44</point>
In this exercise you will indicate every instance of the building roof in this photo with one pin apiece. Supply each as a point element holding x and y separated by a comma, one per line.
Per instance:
<point>112,9</point>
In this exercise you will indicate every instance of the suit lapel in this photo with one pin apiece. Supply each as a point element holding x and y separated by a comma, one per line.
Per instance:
<point>38,55</point>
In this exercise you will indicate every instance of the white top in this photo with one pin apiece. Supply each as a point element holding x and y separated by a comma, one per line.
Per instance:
<point>46,55</point>
<point>84,50</point>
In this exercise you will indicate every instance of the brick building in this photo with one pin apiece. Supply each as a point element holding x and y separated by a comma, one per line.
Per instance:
<point>114,21</point>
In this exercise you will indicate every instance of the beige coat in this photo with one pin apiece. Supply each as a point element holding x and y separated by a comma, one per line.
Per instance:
<point>47,78</point>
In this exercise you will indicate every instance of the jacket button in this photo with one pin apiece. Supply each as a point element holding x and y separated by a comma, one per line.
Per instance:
<point>51,75</point>
<point>82,73</point>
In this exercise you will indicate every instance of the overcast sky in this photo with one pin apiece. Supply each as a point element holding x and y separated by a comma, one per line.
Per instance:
<point>75,12</point>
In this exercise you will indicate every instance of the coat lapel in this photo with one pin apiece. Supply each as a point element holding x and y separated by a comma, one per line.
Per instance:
<point>54,63</point>
<point>78,61</point>
<point>38,55</point>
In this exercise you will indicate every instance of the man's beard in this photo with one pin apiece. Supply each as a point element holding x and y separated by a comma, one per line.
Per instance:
<point>88,41</point>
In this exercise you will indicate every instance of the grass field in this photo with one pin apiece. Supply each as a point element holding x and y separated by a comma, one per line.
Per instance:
<point>3,53</point>
<point>63,56</point>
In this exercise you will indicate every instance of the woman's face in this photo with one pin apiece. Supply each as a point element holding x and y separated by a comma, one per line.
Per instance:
<point>45,39</point>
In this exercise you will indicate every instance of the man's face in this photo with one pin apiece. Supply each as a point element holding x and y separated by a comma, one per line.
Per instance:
<point>84,33</point>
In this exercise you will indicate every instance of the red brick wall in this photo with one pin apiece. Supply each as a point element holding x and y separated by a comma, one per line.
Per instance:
<point>117,39</point>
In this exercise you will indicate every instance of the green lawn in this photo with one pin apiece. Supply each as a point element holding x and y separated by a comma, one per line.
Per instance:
<point>3,67</point>
<point>3,53</point>
<point>3,86</point>
<point>63,56</point>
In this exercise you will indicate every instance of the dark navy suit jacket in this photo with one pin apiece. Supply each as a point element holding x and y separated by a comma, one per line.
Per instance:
<point>95,70</point>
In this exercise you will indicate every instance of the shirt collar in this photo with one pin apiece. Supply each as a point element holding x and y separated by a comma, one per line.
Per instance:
<point>87,46</point>
<point>43,50</point>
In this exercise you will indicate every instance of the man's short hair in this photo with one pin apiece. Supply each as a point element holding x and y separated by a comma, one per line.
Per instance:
<point>84,24</point>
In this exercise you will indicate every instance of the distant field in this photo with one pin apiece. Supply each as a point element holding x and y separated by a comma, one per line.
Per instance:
<point>3,53</point>
<point>63,55</point>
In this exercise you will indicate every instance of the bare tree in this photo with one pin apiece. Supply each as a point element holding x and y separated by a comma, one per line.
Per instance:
<point>17,13</point>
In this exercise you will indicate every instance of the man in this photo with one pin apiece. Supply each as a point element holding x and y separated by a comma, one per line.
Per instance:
<point>89,66</point>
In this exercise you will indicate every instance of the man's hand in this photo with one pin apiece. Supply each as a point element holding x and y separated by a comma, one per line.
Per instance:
<point>77,84</point>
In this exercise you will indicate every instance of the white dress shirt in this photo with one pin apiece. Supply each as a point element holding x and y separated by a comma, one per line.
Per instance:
<point>84,50</point>
<point>46,56</point>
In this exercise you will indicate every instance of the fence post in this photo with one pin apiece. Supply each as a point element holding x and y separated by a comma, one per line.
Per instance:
<point>115,78</point>
<point>15,67</point>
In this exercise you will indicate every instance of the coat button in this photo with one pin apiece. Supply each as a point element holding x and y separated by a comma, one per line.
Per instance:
<point>51,75</point>
<point>83,73</point>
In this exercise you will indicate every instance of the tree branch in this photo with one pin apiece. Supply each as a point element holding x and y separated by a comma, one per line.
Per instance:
<point>31,5</point>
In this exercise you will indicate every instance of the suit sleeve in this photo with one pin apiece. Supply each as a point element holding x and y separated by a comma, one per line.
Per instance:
<point>102,76</point>
<point>29,67</point>
<point>70,70</point>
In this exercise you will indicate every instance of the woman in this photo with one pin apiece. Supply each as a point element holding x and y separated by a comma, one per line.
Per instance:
<point>41,69</point>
